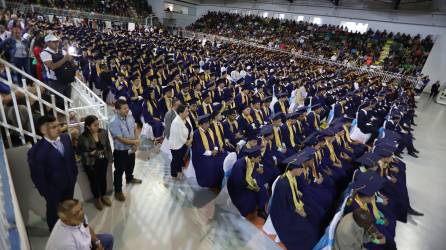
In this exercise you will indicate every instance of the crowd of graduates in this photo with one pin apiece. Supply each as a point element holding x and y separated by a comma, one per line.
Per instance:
<point>287,119</point>
<point>130,8</point>
<point>407,53</point>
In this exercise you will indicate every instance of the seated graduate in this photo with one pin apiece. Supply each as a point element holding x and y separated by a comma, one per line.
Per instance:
<point>166,101</point>
<point>256,113</point>
<point>245,120</point>
<point>231,127</point>
<point>282,104</point>
<point>313,119</point>
<point>217,128</point>
<point>294,212</point>
<point>207,157</point>
<point>184,94</point>
<point>193,115</point>
<point>266,110</point>
<point>279,146</point>
<point>246,187</point>
<point>121,87</point>
<point>290,134</point>
<point>405,140</point>
<point>206,105</point>
<point>301,123</point>
<point>270,164</point>
<point>365,195</point>
<point>151,113</point>
<point>243,98</point>
<point>252,140</point>
<point>136,99</point>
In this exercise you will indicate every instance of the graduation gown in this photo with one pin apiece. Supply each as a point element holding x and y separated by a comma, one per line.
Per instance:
<point>208,168</point>
<point>152,116</point>
<point>231,129</point>
<point>296,232</point>
<point>281,108</point>
<point>247,201</point>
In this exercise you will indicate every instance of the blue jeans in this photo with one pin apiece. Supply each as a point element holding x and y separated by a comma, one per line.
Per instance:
<point>106,240</point>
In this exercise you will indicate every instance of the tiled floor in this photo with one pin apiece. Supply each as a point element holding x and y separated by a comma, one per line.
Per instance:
<point>161,214</point>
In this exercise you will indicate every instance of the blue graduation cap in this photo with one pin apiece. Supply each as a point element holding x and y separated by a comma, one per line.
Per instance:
<point>276,116</point>
<point>266,130</point>
<point>368,183</point>
<point>384,150</point>
<point>368,159</point>
<point>267,99</point>
<point>254,151</point>
<point>296,160</point>
<point>293,115</point>
<point>255,100</point>
<point>311,139</point>
<point>391,135</point>
<point>203,118</point>
<point>328,132</point>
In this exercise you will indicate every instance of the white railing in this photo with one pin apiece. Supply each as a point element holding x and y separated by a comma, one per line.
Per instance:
<point>385,75</point>
<point>17,116</point>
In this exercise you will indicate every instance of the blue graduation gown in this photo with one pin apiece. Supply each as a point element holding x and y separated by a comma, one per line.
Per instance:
<point>208,169</point>
<point>296,232</point>
<point>230,132</point>
<point>157,125</point>
<point>246,200</point>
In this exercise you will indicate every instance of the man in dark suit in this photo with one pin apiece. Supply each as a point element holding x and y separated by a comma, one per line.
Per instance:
<point>53,166</point>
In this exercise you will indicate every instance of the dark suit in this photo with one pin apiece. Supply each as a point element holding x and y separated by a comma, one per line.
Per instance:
<point>53,174</point>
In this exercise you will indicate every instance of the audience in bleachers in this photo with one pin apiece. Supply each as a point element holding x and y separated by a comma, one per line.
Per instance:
<point>299,128</point>
<point>129,8</point>
<point>407,53</point>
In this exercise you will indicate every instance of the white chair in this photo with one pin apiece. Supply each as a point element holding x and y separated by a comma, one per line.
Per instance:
<point>223,199</point>
<point>165,148</point>
<point>268,227</point>
<point>357,135</point>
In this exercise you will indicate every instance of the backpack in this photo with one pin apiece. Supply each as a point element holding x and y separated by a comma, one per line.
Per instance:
<point>67,72</point>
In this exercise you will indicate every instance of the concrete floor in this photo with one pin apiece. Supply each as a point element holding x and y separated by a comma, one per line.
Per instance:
<point>161,214</point>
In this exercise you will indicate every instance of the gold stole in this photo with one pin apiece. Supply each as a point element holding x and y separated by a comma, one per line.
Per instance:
<point>266,110</point>
<point>150,107</point>
<point>205,110</point>
<point>230,125</point>
<point>252,183</point>
<point>168,102</point>
<point>137,91</point>
<point>347,133</point>
<point>292,131</point>
<point>248,118</point>
<point>259,116</point>
<point>218,132</point>
<point>194,116</point>
<point>333,156</point>
<point>265,144</point>
<point>204,138</point>
<point>177,87</point>
<point>316,119</point>
<point>342,108</point>
<point>186,96</point>
<point>261,96</point>
<point>282,107</point>
<point>298,204</point>
<point>206,76</point>
<point>277,138</point>
<point>299,126</point>
<point>118,83</point>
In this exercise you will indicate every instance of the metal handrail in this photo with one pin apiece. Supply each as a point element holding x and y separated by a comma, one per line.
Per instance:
<point>364,69</point>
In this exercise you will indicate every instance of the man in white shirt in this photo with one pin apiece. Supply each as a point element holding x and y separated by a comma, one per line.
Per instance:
<point>72,231</point>
<point>46,55</point>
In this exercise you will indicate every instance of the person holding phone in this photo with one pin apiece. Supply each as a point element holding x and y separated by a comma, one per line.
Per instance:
<point>95,151</point>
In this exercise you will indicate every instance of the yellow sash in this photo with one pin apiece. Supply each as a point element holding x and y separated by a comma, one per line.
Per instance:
<point>364,207</point>
<point>149,107</point>
<point>244,99</point>
<point>265,144</point>
<point>298,204</point>
<point>347,133</point>
<point>230,125</point>
<point>218,130</point>
<point>282,107</point>
<point>137,91</point>
<point>291,130</point>
<point>333,156</point>
<point>248,118</point>
<point>277,137</point>
<point>252,183</point>
<point>205,110</point>
<point>204,139</point>
<point>259,116</point>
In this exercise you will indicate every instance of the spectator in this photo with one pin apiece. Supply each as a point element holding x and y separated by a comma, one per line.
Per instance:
<point>126,141</point>
<point>16,48</point>
<point>53,166</point>
<point>73,232</point>
<point>95,150</point>
<point>38,48</point>
<point>54,59</point>
<point>181,140</point>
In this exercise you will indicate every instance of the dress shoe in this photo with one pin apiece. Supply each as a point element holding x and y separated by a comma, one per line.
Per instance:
<point>399,155</point>
<point>413,154</point>
<point>414,212</point>
<point>134,181</point>
<point>106,201</point>
<point>120,196</point>
<point>416,151</point>
<point>98,204</point>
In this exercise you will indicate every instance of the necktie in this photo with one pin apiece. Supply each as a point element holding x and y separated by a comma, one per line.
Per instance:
<point>59,146</point>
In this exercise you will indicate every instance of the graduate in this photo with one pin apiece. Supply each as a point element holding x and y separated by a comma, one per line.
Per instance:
<point>165,103</point>
<point>313,118</point>
<point>269,161</point>
<point>256,112</point>
<point>266,111</point>
<point>121,87</point>
<point>207,157</point>
<point>290,134</point>
<point>294,213</point>
<point>282,105</point>
<point>246,187</point>
<point>136,99</point>
<point>184,94</point>
<point>231,127</point>
<point>246,121</point>
<point>243,98</point>
<point>193,114</point>
<point>206,105</point>
<point>151,113</point>
<point>279,146</point>
<point>252,140</point>
<point>217,128</point>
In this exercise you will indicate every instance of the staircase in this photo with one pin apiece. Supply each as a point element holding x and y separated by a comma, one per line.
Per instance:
<point>384,52</point>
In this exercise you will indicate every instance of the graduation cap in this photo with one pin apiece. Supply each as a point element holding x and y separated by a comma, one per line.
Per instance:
<point>328,132</point>
<point>292,115</point>
<point>311,139</point>
<point>391,135</point>
<point>254,151</point>
<point>301,110</point>
<point>192,101</point>
<point>255,100</point>
<point>266,130</point>
<point>243,107</point>
<point>167,89</point>
<point>251,136</point>
<point>277,116</point>
<point>384,150</point>
<point>296,160</point>
<point>267,99</point>
<point>203,118</point>
<point>368,183</point>
<point>232,111</point>
<point>368,159</point>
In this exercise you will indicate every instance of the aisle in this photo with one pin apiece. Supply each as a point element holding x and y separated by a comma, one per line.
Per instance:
<point>426,181</point>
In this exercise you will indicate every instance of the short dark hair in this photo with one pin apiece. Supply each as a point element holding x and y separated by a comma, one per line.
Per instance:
<point>181,108</point>
<point>43,120</point>
<point>120,103</point>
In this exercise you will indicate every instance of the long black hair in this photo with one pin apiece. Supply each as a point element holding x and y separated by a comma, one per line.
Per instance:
<point>90,119</point>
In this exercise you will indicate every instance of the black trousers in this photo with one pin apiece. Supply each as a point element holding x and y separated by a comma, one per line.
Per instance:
<point>52,202</point>
<point>124,162</point>
<point>64,89</point>
<point>97,176</point>
<point>176,165</point>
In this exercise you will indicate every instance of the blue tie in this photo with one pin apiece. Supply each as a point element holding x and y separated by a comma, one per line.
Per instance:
<point>59,146</point>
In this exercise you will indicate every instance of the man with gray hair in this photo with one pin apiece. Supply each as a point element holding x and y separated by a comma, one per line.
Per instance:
<point>72,231</point>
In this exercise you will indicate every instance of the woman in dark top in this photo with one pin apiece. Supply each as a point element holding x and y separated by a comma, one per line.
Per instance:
<point>95,150</point>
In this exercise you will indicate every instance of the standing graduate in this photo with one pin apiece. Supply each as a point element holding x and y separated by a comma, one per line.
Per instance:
<point>245,185</point>
<point>207,157</point>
